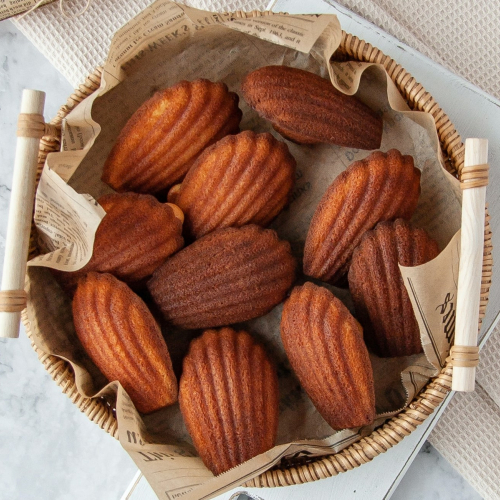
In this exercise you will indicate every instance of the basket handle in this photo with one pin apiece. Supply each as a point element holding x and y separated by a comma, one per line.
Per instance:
<point>31,127</point>
<point>473,181</point>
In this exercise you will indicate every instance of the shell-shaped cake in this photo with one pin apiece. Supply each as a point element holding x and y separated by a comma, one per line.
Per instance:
<point>124,341</point>
<point>135,236</point>
<point>242,179</point>
<point>383,186</point>
<point>228,394</point>
<point>228,276</point>
<point>167,133</point>
<point>325,347</point>
<point>308,109</point>
<point>380,298</point>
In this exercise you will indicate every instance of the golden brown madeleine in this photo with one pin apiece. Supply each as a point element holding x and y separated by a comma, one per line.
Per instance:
<point>135,236</point>
<point>121,337</point>
<point>308,109</point>
<point>380,298</point>
<point>324,344</point>
<point>225,277</point>
<point>242,179</point>
<point>383,186</point>
<point>167,133</point>
<point>228,394</point>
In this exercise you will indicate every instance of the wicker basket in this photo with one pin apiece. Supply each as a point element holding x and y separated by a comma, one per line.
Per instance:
<point>399,426</point>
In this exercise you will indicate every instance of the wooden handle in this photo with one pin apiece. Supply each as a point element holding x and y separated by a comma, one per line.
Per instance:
<point>20,213</point>
<point>464,352</point>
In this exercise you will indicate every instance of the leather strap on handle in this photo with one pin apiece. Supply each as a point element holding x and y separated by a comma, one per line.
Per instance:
<point>462,355</point>
<point>474,176</point>
<point>12,300</point>
<point>33,125</point>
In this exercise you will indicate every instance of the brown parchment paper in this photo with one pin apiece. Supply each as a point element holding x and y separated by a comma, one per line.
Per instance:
<point>9,8</point>
<point>167,43</point>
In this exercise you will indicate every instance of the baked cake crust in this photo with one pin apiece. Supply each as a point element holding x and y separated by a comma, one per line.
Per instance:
<point>124,341</point>
<point>308,109</point>
<point>242,179</point>
<point>167,133</point>
<point>383,186</point>
<point>380,298</point>
<point>227,276</point>
<point>137,234</point>
<point>325,347</point>
<point>228,395</point>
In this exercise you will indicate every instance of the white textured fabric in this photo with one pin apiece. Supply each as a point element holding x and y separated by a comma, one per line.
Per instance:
<point>488,371</point>
<point>463,35</point>
<point>468,436</point>
<point>468,433</point>
<point>77,46</point>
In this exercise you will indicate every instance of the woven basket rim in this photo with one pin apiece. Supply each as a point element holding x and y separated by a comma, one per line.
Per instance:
<point>396,428</point>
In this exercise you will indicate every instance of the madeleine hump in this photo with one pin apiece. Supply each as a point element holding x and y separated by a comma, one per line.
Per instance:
<point>308,109</point>
<point>228,276</point>
<point>124,341</point>
<point>135,236</point>
<point>242,179</point>
<point>380,298</point>
<point>228,395</point>
<point>383,186</point>
<point>325,347</point>
<point>167,133</point>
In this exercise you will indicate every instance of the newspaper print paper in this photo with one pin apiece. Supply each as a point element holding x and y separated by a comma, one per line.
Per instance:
<point>9,8</point>
<point>167,43</point>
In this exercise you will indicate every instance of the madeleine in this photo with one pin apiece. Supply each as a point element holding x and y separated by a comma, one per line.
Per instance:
<point>228,394</point>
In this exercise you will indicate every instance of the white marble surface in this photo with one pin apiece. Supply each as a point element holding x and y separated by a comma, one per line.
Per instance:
<point>48,449</point>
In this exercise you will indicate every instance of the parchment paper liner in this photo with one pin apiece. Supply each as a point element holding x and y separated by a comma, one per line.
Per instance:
<point>214,52</point>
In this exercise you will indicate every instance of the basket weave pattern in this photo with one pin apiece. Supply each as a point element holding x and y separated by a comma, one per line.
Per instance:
<point>399,426</point>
